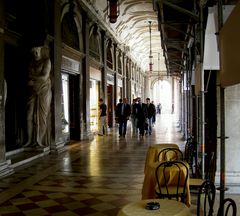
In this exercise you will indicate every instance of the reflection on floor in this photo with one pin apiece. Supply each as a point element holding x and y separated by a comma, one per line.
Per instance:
<point>94,178</point>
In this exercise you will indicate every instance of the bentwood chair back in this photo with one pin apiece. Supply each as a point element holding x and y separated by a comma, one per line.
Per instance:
<point>229,208</point>
<point>168,154</point>
<point>206,198</point>
<point>190,155</point>
<point>171,177</point>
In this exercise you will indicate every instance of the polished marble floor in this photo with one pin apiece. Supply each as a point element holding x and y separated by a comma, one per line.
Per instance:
<point>93,178</point>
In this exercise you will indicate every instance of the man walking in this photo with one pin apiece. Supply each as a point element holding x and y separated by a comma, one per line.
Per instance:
<point>123,111</point>
<point>151,111</point>
<point>141,115</point>
<point>134,116</point>
<point>103,128</point>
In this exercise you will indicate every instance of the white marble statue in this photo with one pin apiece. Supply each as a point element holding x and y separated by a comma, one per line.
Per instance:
<point>40,95</point>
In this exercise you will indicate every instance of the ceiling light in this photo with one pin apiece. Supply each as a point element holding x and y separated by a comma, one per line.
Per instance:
<point>112,10</point>
<point>150,52</point>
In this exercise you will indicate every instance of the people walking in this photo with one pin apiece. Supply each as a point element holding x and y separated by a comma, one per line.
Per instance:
<point>103,127</point>
<point>151,111</point>
<point>159,108</point>
<point>133,116</point>
<point>172,108</point>
<point>154,116</point>
<point>141,114</point>
<point>123,111</point>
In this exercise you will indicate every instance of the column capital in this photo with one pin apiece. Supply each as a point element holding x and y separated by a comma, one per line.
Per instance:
<point>118,51</point>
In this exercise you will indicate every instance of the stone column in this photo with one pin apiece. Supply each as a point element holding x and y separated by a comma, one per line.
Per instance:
<point>129,87</point>
<point>142,83</point>
<point>173,95</point>
<point>104,69</point>
<point>85,96</point>
<point>124,74</point>
<point>58,143</point>
<point>4,165</point>
<point>232,150</point>
<point>116,78</point>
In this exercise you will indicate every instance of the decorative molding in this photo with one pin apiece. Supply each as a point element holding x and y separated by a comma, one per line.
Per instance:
<point>110,71</point>
<point>72,53</point>
<point>70,65</point>
<point>110,79</point>
<point>94,63</point>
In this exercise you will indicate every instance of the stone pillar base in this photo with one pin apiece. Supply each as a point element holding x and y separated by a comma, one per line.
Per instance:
<point>58,148</point>
<point>6,169</point>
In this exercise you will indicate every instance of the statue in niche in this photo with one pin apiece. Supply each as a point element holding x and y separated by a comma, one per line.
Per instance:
<point>40,96</point>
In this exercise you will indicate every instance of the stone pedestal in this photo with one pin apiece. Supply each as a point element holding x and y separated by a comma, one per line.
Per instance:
<point>58,148</point>
<point>6,169</point>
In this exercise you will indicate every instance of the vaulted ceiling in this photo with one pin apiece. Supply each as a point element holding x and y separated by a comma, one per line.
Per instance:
<point>171,30</point>
<point>132,30</point>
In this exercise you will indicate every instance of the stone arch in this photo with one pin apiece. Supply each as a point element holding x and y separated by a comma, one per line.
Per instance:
<point>71,12</point>
<point>95,43</point>
<point>127,74</point>
<point>119,59</point>
<point>110,59</point>
<point>154,80</point>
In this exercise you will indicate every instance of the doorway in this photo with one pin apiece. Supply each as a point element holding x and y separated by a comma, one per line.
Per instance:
<point>15,107</point>
<point>70,106</point>
<point>94,97</point>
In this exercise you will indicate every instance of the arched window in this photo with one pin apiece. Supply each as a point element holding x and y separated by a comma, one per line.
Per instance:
<point>109,55</point>
<point>119,64</point>
<point>94,50</point>
<point>127,70</point>
<point>70,32</point>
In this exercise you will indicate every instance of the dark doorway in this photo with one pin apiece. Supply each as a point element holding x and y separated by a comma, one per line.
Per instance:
<point>210,114</point>
<point>74,107</point>
<point>14,75</point>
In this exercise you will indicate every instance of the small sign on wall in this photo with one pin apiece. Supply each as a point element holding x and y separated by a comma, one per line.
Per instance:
<point>71,66</point>
<point>110,79</point>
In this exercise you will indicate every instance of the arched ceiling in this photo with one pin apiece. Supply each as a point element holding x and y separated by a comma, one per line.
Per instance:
<point>175,23</point>
<point>132,30</point>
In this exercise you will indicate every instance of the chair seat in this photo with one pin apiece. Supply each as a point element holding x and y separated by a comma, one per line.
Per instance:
<point>195,182</point>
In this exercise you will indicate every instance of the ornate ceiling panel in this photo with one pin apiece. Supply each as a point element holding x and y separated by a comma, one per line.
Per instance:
<point>132,30</point>
<point>175,23</point>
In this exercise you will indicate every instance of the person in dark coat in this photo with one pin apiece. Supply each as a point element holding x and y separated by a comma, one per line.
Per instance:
<point>151,111</point>
<point>141,115</point>
<point>133,116</point>
<point>123,111</point>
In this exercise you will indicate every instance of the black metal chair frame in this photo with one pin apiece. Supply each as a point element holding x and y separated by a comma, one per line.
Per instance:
<point>208,189</point>
<point>190,155</point>
<point>176,151</point>
<point>227,204</point>
<point>178,194</point>
<point>211,168</point>
<point>195,183</point>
